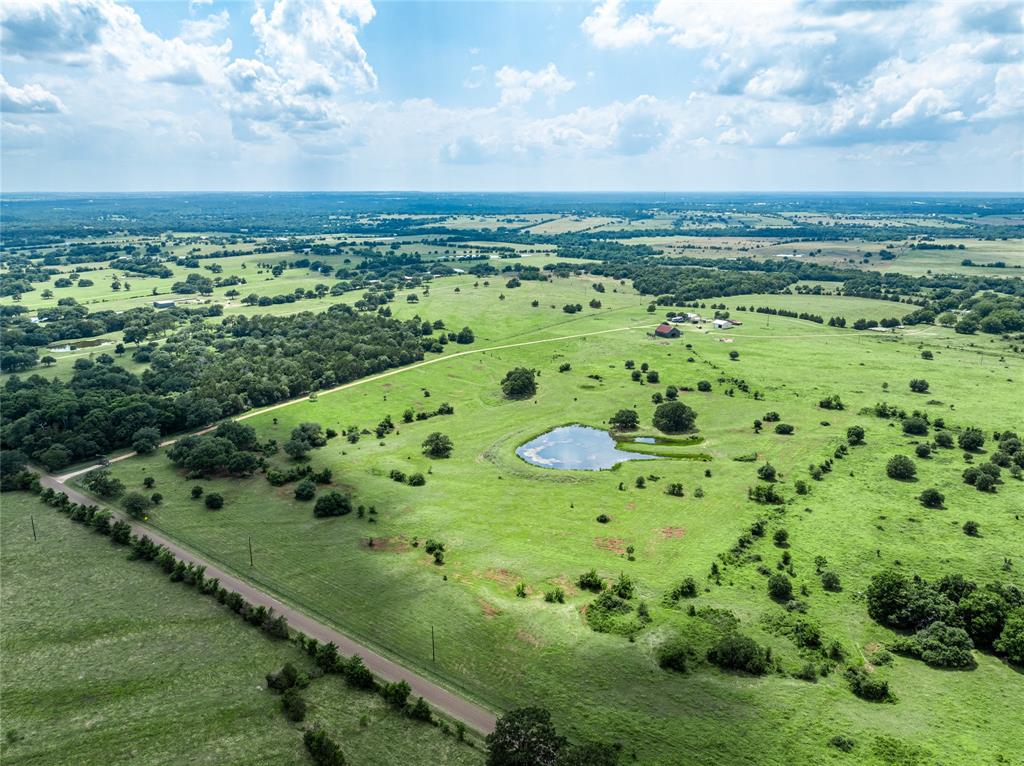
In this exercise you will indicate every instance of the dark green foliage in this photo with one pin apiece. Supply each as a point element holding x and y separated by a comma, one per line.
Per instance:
<point>842,742</point>
<point>357,675</point>
<point>437,445</point>
<point>293,706</point>
<point>135,504</point>
<point>590,581</point>
<point>923,451</point>
<point>899,602</point>
<point>983,613</point>
<point>972,529</point>
<point>214,501</point>
<point>197,492</point>
<point>674,417</point>
<point>100,482</point>
<point>524,737</point>
<point>971,439</point>
<point>283,679</point>
<point>741,653</point>
<point>919,386</point>
<point>519,383</point>
<point>766,472</point>
<point>322,749</point>
<point>396,694</point>
<point>944,439</point>
<point>867,686</point>
<point>625,420</point>
<point>332,504</point>
<point>784,429</point>
<point>915,426</point>
<point>940,645</point>
<point>673,654</point>
<point>932,498</point>
<point>420,711</point>
<point>145,440</point>
<point>830,581</point>
<point>305,490</point>
<point>855,435</point>
<point>900,467</point>
<point>780,587</point>
<point>1011,640</point>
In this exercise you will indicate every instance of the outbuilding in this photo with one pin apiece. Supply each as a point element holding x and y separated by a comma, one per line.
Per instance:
<point>665,330</point>
<point>722,324</point>
<point>163,304</point>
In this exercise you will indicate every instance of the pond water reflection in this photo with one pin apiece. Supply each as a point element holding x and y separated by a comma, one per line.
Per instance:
<point>576,448</point>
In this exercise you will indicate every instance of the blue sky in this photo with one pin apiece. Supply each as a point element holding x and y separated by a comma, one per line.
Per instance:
<point>783,95</point>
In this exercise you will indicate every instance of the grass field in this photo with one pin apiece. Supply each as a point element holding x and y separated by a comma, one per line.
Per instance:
<point>505,522</point>
<point>106,661</point>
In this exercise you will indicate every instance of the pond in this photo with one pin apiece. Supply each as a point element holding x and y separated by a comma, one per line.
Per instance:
<point>576,448</point>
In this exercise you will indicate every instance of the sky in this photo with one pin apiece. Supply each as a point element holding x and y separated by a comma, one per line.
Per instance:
<point>674,95</point>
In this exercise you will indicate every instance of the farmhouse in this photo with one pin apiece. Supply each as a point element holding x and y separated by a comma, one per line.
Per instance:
<point>665,330</point>
<point>691,317</point>
<point>163,304</point>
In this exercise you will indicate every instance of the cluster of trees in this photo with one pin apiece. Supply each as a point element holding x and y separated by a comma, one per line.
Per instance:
<point>519,383</point>
<point>526,737</point>
<point>949,617</point>
<point>232,448</point>
<point>201,374</point>
<point>674,417</point>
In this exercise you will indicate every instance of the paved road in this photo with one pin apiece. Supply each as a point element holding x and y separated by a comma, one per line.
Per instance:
<point>474,716</point>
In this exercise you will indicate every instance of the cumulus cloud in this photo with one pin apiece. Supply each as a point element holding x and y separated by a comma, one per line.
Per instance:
<point>819,71</point>
<point>29,99</point>
<point>518,86</point>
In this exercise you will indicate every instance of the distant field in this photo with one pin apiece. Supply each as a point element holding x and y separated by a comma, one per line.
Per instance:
<point>505,522</point>
<point>106,661</point>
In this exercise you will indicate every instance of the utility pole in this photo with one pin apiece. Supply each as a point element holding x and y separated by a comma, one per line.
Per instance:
<point>433,652</point>
<point>33,519</point>
<point>250,551</point>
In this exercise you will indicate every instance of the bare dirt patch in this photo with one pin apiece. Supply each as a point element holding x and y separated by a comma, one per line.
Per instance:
<point>526,638</point>
<point>489,609</point>
<point>394,544</point>
<point>673,532</point>
<point>630,506</point>
<point>566,584</point>
<point>503,576</point>
<point>613,544</point>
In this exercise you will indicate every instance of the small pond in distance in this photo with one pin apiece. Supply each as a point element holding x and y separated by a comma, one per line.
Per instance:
<point>576,448</point>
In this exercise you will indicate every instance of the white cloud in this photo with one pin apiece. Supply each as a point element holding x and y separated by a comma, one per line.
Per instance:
<point>476,77</point>
<point>518,86</point>
<point>204,30</point>
<point>607,29</point>
<point>29,99</point>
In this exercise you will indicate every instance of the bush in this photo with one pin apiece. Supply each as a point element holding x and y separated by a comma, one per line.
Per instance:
<point>830,581</point>
<point>842,742</point>
<point>781,537</point>
<point>866,686</point>
<point>923,451</point>
<point>944,439</point>
<point>784,429</point>
<point>738,652</point>
<point>766,472</point>
<point>940,645</point>
<point>396,694</point>
<point>357,675</point>
<point>332,504</point>
<point>214,501</point>
<point>417,480</point>
<point>972,529</point>
<point>919,386</point>
<point>305,490</point>
<point>135,504</point>
<point>855,435</point>
<point>673,655</point>
<point>900,467</point>
<point>1011,640</point>
<point>519,383</point>
<point>603,518</point>
<point>437,445</point>
<point>293,706</point>
<point>703,386</point>
<point>932,498</point>
<point>322,749</point>
<point>780,587</point>
<point>674,417</point>
<point>915,426</point>
<point>197,492</point>
<point>625,420</point>
<point>590,581</point>
<point>420,711</point>
<point>971,439</point>
<point>555,596</point>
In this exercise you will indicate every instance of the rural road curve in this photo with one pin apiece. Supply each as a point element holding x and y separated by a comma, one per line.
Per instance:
<point>474,716</point>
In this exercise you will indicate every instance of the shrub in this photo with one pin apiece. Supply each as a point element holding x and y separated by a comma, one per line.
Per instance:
<point>866,686</point>
<point>686,589</point>
<point>673,655</point>
<point>932,498</point>
<point>625,420</point>
<point>900,467</point>
<point>293,706</point>
<point>780,587</point>
<point>322,749</point>
<point>420,711</point>
<point>1011,640</point>
<point>197,492</point>
<point>674,417</point>
<point>738,652</point>
<point>784,429</point>
<point>830,581</point>
<point>919,386</point>
<point>417,480</point>
<point>590,581</point>
<point>781,537</point>
<point>915,426</point>
<point>135,504</point>
<point>972,529</point>
<point>855,435</point>
<point>940,645</point>
<point>766,472</point>
<point>842,742</point>
<point>357,675</point>
<point>519,383</point>
<point>555,595</point>
<point>214,501</point>
<point>703,386</point>
<point>944,439</point>
<point>922,451</point>
<point>971,439</point>
<point>603,518</point>
<point>396,694</point>
<point>283,679</point>
<point>332,504</point>
<point>437,445</point>
<point>305,490</point>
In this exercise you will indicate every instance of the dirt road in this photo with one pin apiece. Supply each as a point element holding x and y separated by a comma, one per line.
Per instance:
<point>452,705</point>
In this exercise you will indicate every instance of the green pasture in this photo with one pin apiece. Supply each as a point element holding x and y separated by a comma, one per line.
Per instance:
<point>504,522</point>
<point>106,661</point>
